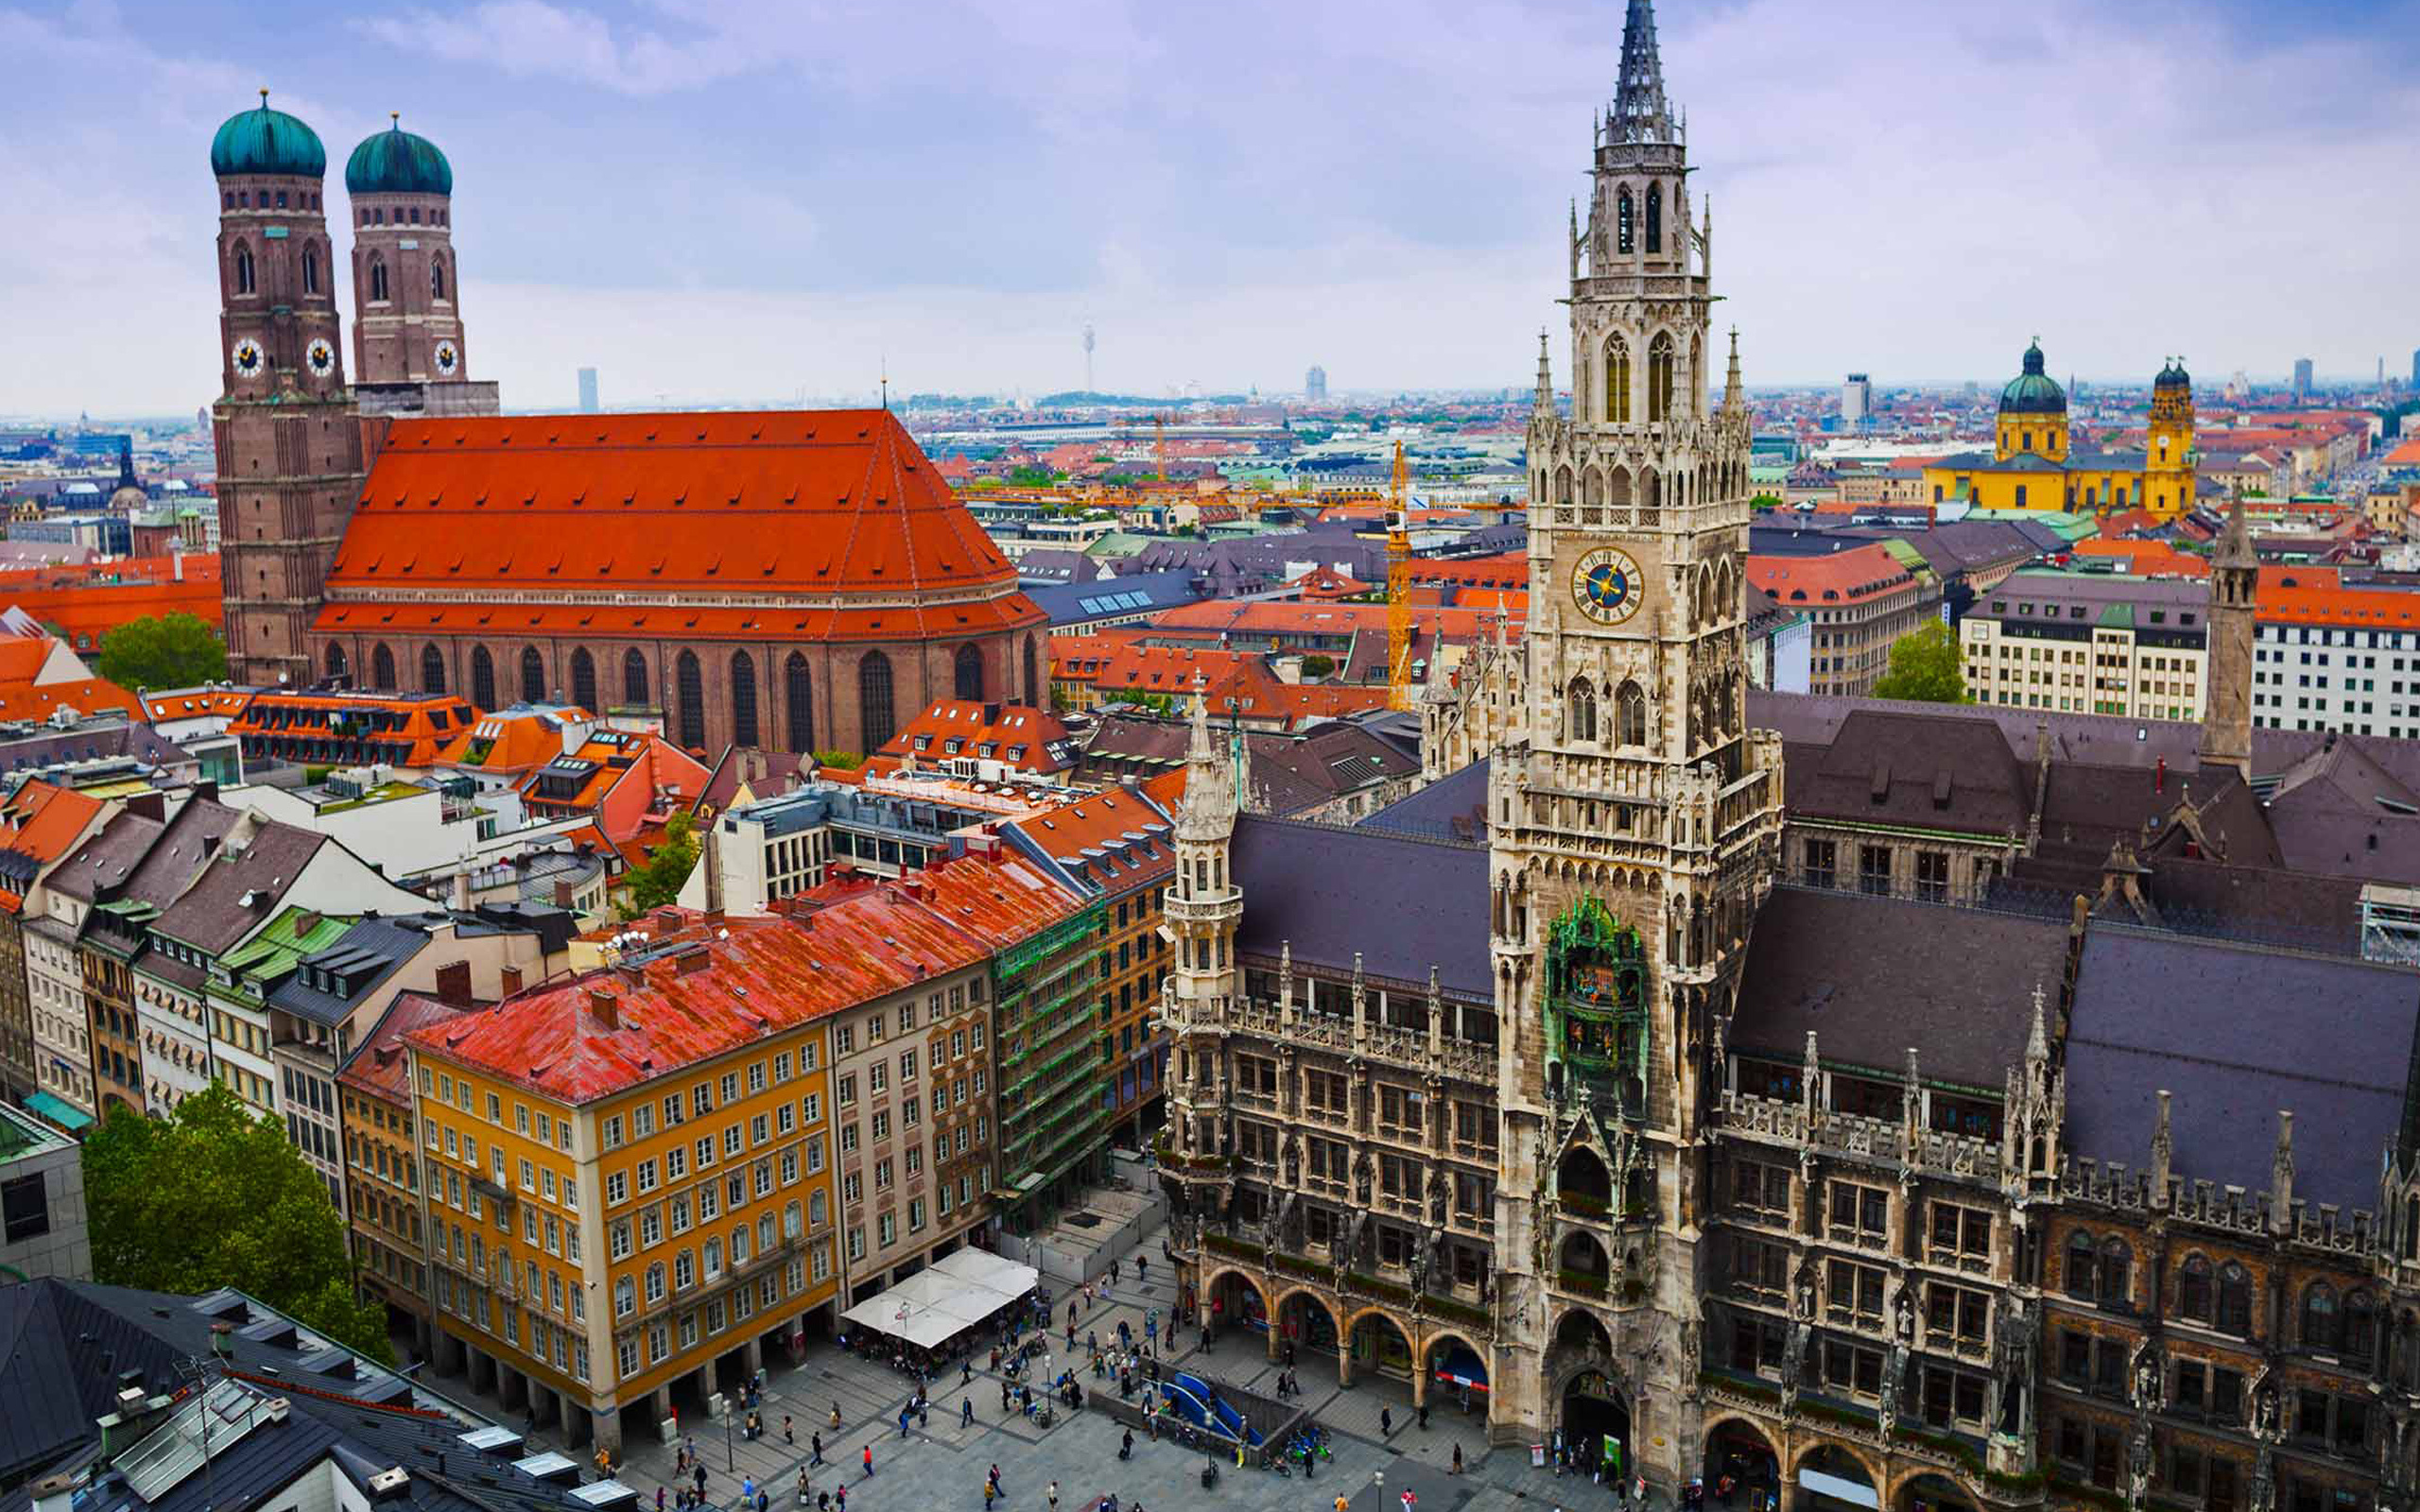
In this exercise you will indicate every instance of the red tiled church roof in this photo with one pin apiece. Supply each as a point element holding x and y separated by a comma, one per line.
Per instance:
<point>817,508</point>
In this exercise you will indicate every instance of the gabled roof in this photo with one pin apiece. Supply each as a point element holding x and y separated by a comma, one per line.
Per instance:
<point>379,1065</point>
<point>1033,742</point>
<point>236,893</point>
<point>827,505</point>
<point>1922,770</point>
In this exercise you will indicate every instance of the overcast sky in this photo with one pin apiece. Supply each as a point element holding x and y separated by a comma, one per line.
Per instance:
<point>711,200</point>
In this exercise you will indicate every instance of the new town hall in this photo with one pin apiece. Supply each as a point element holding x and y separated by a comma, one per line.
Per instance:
<point>2011,1116</point>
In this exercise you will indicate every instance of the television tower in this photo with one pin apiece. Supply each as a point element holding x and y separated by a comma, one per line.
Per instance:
<point>1088,357</point>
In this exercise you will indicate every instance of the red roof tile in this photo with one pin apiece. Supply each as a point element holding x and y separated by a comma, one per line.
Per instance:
<point>817,508</point>
<point>1836,577</point>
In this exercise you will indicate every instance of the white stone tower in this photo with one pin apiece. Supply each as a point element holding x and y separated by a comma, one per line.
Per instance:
<point>1634,820</point>
<point>1202,909</point>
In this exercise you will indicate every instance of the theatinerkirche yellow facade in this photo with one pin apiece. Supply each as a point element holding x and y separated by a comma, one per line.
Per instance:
<point>2034,465</point>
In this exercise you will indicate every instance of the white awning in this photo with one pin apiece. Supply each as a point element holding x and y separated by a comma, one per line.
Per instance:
<point>945,1298</point>
<point>1839,1489</point>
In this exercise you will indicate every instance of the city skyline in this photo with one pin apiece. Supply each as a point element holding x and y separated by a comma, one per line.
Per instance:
<point>1192,236</point>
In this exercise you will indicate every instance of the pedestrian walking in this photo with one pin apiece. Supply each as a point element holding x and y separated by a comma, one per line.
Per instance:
<point>747,1488</point>
<point>763,1501</point>
<point>1385,1421</point>
<point>787,1437</point>
<point>842,1501</point>
<point>816,1458</point>
<point>1054,1496</point>
<point>702,1483</point>
<point>965,1411</point>
<point>1457,1459</point>
<point>868,1454</point>
<point>659,1499</point>
<point>990,1493</point>
<point>1143,1269</point>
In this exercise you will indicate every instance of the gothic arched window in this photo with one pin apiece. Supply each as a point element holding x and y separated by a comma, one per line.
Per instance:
<point>432,669</point>
<point>1629,715</point>
<point>2193,1289</point>
<point>1659,377</point>
<point>533,675</point>
<point>966,672</point>
<point>743,698</point>
<point>634,678</point>
<point>1617,380</point>
<point>437,278</point>
<point>2320,1322</point>
<point>336,661</point>
<point>1656,218</point>
<point>483,679</point>
<point>1580,705</point>
<point>310,270</point>
<point>798,702</point>
<point>1563,486</point>
<point>2116,1274</point>
<point>1625,240</point>
<point>1032,684</point>
<point>377,281</point>
<point>2235,1298</point>
<point>381,667</point>
<point>2359,1326</point>
<point>874,724</point>
<point>244,283</point>
<point>583,680</point>
<point>692,712</point>
<point>2081,1257</point>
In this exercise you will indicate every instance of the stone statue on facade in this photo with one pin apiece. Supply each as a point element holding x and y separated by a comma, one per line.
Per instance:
<point>2139,1465</point>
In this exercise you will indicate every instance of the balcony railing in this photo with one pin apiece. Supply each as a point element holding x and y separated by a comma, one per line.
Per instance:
<point>1875,1138</point>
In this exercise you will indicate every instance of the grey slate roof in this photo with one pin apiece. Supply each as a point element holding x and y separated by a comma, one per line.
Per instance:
<point>2235,1033</point>
<point>243,886</point>
<point>362,957</point>
<point>1452,807</point>
<point>1873,976</point>
<point>1405,905</point>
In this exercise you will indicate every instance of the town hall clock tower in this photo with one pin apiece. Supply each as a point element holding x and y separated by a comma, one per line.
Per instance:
<point>1634,820</point>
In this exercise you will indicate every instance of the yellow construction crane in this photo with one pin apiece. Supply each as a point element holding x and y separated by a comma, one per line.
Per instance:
<point>1399,585</point>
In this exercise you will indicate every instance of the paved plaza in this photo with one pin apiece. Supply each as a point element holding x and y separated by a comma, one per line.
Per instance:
<point>942,1468</point>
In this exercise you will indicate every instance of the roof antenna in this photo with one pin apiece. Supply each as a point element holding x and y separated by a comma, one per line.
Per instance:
<point>885,382</point>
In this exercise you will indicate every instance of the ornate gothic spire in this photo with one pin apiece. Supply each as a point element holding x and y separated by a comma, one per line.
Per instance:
<point>1733,395</point>
<point>1545,403</point>
<point>1640,112</point>
<point>2235,541</point>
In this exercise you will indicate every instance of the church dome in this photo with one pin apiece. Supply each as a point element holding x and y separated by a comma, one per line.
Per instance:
<point>267,141</point>
<point>2033,391</point>
<point>395,162</point>
<point>2173,376</point>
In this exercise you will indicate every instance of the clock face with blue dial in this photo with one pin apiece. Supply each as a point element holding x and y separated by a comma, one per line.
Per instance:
<point>1607,586</point>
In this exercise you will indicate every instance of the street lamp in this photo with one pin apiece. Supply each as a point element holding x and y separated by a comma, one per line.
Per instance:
<point>730,1453</point>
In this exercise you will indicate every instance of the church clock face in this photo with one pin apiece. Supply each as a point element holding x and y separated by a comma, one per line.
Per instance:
<point>447,358</point>
<point>1607,585</point>
<point>247,358</point>
<point>321,355</point>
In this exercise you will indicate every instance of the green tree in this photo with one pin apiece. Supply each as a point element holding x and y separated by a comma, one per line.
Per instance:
<point>1315,666</point>
<point>162,652</point>
<point>215,1195</point>
<point>840,760</point>
<point>1925,667</point>
<point>658,884</point>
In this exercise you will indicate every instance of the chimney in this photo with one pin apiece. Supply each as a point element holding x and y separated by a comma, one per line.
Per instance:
<point>454,984</point>
<point>562,892</point>
<point>54,1493</point>
<point>693,961</point>
<point>512,980</point>
<point>461,889</point>
<point>304,922</point>
<point>607,1007</point>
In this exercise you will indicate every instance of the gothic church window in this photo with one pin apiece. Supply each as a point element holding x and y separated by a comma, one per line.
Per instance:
<point>2320,1327</point>
<point>1580,708</point>
<point>437,278</point>
<point>1033,686</point>
<point>2235,1298</point>
<point>310,270</point>
<point>533,675</point>
<point>483,679</point>
<point>244,270</point>
<point>1623,238</point>
<point>1656,218</point>
<point>875,725</point>
<point>2193,1289</point>
<point>743,698</point>
<point>634,678</point>
<point>966,670</point>
<point>583,680</point>
<point>335,661</point>
<point>1659,377</point>
<point>1629,715</point>
<point>377,281</point>
<point>432,669</point>
<point>798,698</point>
<point>692,710</point>
<point>1617,382</point>
<point>381,667</point>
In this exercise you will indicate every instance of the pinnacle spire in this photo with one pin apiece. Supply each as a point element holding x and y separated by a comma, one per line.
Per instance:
<point>1641,114</point>
<point>2235,541</point>
<point>1732,395</point>
<point>1544,403</point>
<point>1198,750</point>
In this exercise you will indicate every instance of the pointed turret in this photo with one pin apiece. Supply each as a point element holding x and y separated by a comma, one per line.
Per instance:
<point>2235,582</point>
<point>1206,813</point>
<point>1735,398</point>
<point>1641,114</point>
<point>1543,403</point>
<point>2235,541</point>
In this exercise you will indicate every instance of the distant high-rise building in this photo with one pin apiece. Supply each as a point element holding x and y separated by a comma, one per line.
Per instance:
<point>2415,370</point>
<point>588,390</point>
<point>1315,383</point>
<point>1856,400</point>
<point>2302,377</point>
<point>1088,357</point>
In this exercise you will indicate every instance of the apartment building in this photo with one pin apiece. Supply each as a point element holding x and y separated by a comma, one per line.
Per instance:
<point>2090,642</point>
<point>1118,848</point>
<point>40,824</point>
<point>629,1179</point>
<point>2329,655</point>
<point>1860,601</point>
<point>383,1167</point>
